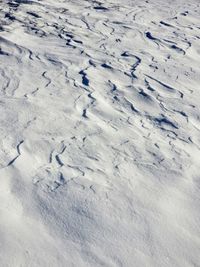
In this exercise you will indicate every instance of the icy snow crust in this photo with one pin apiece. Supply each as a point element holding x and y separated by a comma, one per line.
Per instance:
<point>100,133</point>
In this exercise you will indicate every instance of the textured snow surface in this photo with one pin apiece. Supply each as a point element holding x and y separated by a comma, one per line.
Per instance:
<point>100,133</point>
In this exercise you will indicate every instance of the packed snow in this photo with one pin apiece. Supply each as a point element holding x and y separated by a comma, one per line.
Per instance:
<point>100,133</point>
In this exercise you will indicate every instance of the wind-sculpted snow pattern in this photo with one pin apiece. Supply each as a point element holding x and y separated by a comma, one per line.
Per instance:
<point>100,133</point>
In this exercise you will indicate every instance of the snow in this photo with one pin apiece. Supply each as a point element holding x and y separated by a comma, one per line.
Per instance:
<point>99,133</point>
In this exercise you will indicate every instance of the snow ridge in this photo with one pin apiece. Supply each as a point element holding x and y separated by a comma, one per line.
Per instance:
<point>100,133</point>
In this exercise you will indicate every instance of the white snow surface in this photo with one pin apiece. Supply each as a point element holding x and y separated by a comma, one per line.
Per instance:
<point>100,133</point>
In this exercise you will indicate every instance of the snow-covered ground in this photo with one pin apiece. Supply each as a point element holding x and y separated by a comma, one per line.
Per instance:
<point>100,133</point>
